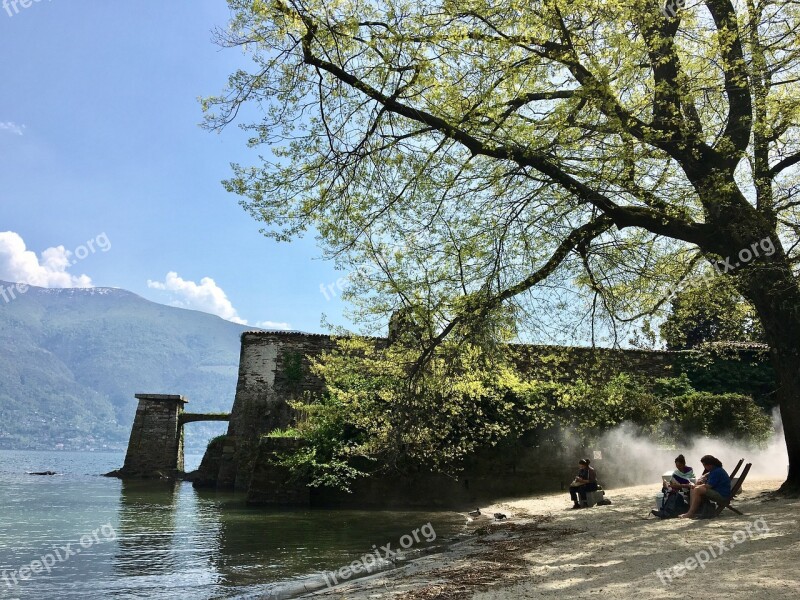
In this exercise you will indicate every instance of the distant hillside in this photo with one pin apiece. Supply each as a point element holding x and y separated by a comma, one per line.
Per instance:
<point>72,359</point>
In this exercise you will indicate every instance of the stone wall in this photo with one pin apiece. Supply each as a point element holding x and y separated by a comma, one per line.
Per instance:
<point>570,363</point>
<point>272,484</point>
<point>275,368</point>
<point>155,447</point>
<point>207,472</point>
<point>512,470</point>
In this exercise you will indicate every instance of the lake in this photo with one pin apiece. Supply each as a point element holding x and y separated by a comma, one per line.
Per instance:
<point>80,535</point>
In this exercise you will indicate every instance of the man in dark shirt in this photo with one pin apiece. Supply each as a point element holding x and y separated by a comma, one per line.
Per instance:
<point>586,481</point>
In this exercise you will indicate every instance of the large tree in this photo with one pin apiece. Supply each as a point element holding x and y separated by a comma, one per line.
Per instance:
<point>505,160</point>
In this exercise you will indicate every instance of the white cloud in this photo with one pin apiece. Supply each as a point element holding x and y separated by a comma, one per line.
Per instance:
<point>272,325</point>
<point>19,264</point>
<point>12,127</point>
<point>207,296</point>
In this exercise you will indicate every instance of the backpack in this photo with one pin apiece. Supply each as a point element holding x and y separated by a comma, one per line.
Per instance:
<point>672,505</point>
<point>707,510</point>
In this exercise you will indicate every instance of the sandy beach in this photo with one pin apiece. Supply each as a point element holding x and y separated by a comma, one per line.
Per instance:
<point>546,550</point>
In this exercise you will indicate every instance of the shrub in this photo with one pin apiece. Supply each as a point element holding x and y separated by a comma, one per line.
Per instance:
<point>721,414</point>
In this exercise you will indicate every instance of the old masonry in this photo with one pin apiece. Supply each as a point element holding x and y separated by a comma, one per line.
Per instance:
<point>274,369</point>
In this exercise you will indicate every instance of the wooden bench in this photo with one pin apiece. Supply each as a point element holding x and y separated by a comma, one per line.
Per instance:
<point>736,487</point>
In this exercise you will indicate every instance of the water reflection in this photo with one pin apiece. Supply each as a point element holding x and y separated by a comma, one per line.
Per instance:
<point>167,541</point>
<point>173,541</point>
<point>147,528</point>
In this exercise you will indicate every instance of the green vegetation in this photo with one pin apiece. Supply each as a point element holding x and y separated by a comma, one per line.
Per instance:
<point>711,312</point>
<point>721,368</point>
<point>293,368</point>
<point>287,432</point>
<point>374,418</point>
<point>710,414</point>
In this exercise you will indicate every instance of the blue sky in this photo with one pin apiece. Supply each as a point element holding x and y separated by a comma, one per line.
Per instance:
<point>100,143</point>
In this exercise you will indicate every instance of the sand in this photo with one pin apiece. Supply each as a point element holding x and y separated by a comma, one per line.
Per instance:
<point>546,550</point>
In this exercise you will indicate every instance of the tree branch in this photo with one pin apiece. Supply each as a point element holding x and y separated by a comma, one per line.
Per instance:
<point>579,236</point>
<point>659,35</point>
<point>623,216</point>
<point>740,110</point>
<point>524,99</point>
<point>785,164</point>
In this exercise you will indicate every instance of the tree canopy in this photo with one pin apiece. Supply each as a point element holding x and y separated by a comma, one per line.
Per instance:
<point>521,161</point>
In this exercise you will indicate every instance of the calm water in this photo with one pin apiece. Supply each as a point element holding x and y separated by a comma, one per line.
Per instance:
<point>154,540</point>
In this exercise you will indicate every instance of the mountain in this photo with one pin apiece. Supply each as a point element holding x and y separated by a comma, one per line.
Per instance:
<point>71,361</point>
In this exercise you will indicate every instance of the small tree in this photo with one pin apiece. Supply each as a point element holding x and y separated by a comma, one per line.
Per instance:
<point>373,418</point>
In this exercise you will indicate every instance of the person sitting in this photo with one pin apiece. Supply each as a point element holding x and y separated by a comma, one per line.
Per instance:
<point>675,490</point>
<point>714,485</point>
<point>586,481</point>
<point>682,477</point>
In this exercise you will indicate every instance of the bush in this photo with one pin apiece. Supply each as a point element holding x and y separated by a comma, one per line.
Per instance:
<point>721,414</point>
<point>288,432</point>
<point>216,441</point>
<point>594,408</point>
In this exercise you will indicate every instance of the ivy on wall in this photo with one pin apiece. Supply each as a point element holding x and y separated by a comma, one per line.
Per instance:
<point>293,368</point>
<point>729,368</point>
<point>467,400</point>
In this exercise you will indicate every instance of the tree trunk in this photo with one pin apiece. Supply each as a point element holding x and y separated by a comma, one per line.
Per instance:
<point>774,292</point>
<point>789,378</point>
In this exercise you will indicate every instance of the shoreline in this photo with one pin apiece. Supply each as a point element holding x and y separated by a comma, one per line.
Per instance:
<point>304,587</point>
<point>547,550</point>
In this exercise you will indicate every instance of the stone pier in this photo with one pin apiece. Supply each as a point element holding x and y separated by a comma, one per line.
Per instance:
<point>155,448</point>
<point>156,442</point>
